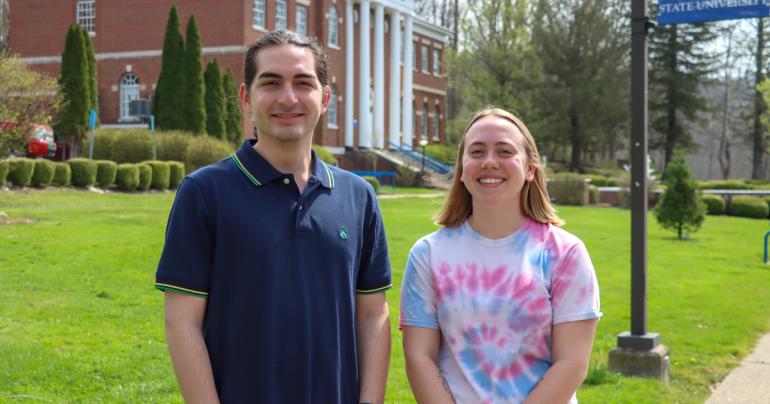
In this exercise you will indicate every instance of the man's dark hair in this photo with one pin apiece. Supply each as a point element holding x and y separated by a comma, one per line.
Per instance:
<point>284,37</point>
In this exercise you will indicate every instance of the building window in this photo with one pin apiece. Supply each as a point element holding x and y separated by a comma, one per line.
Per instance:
<point>425,60</point>
<point>436,62</point>
<point>414,56</point>
<point>331,111</point>
<point>258,13</point>
<point>334,28</point>
<point>129,90</point>
<point>86,15</point>
<point>302,20</point>
<point>424,122</point>
<point>436,126</point>
<point>281,13</point>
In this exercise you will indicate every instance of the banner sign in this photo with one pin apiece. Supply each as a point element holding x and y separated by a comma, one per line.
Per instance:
<point>693,11</point>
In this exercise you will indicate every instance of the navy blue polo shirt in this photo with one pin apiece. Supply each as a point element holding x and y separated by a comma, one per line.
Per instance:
<point>280,271</point>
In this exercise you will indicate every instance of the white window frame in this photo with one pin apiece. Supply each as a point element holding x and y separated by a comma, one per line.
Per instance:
<point>425,59</point>
<point>85,15</point>
<point>332,18</point>
<point>436,126</point>
<point>301,14</point>
<point>436,62</point>
<point>258,14</point>
<point>281,15</point>
<point>331,110</point>
<point>129,90</point>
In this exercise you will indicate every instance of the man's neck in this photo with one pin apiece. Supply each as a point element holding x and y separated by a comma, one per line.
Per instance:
<point>288,157</point>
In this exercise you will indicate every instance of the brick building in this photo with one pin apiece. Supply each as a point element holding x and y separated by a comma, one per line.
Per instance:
<point>128,37</point>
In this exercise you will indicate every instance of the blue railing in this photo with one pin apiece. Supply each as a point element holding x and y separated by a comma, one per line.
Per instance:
<point>419,157</point>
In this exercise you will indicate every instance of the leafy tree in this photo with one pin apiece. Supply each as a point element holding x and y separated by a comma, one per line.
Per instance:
<point>170,88</point>
<point>26,98</point>
<point>681,207</point>
<point>215,101</point>
<point>72,119</point>
<point>680,62</point>
<point>195,115</point>
<point>233,127</point>
<point>758,133</point>
<point>93,91</point>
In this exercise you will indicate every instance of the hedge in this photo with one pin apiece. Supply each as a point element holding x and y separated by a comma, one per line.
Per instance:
<point>83,172</point>
<point>373,182</point>
<point>62,175</point>
<point>749,206</point>
<point>145,176</point>
<point>597,180</point>
<point>3,171</point>
<point>324,155</point>
<point>593,194</point>
<point>568,189</point>
<point>444,154</point>
<point>715,205</point>
<point>127,177</point>
<point>20,171</point>
<point>724,184</point>
<point>204,150</point>
<point>105,173</point>
<point>172,145</point>
<point>176,174</point>
<point>43,174</point>
<point>161,174</point>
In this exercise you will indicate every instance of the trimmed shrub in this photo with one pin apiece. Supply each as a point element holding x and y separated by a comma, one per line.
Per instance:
<point>105,173</point>
<point>161,174</point>
<point>373,182</point>
<point>43,173</point>
<point>20,171</point>
<point>3,171</point>
<point>127,177</point>
<point>132,146</point>
<point>407,177</point>
<point>715,205</point>
<point>83,172</point>
<point>724,184</point>
<point>145,176</point>
<point>444,154</point>
<point>103,142</point>
<point>62,175</point>
<point>172,145</point>
<point>568,189</point>
<point>204,150</point>
<point>749,206</point>
<point>176,174</point>
<point>324,155</point>
<point>597,180</point>
<point>593,194</point>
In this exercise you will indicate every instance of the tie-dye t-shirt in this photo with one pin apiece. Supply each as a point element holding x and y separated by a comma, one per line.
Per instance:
<point>495,302</point>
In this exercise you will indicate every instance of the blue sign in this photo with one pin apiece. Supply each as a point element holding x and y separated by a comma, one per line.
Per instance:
<point>693,11</point>
<point>92,119</point>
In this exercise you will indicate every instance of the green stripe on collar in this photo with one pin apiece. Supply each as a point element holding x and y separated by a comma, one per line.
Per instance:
<point>329,175</point>
<point>245,172</point>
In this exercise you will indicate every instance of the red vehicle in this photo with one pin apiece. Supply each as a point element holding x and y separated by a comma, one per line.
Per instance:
<point>40,144</point>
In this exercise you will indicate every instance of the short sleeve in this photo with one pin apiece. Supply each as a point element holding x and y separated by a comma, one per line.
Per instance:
<point>575,290</point>
<point>185,264</point>
<point>374,273</point>
<point>418,295</point>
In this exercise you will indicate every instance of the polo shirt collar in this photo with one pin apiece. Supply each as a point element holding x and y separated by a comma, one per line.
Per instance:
<point>259,172</point>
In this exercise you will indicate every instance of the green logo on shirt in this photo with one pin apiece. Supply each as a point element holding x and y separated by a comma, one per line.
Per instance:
<point>343,233</point>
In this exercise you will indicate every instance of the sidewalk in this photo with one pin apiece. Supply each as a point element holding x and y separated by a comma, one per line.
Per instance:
<point>750,382</point>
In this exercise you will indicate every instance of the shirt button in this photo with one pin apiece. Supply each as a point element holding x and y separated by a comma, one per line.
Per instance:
<point>286,181</point>
<point>300,207</point>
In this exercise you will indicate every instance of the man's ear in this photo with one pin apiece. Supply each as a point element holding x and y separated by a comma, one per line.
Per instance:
<point>327,96</point>
<point>243,94</point>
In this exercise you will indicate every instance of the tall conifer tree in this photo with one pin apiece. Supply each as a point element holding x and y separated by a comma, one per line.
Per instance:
<point>233,127</point>
<point>73,117</point>
<point>215,101</point>
<point>169,90</point>
<point>93,92</point>
<point>193,100</point>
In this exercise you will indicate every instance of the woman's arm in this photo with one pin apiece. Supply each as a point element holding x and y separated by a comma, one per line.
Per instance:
<point>571,343</point>
<point>421,347</point>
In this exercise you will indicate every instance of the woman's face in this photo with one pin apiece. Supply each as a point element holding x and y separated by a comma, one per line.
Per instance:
<point>495,164</point>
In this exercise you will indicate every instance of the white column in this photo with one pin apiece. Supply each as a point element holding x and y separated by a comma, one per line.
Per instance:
<point>394,117</point>
<point>407,106</point>
<point>364,122</point>
<point>349,73</point>
<point>379,76</point>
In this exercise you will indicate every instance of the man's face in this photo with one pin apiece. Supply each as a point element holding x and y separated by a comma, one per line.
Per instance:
<point>286,99</point>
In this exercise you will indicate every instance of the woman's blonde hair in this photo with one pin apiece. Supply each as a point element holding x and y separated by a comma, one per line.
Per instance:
<point>535,202</point>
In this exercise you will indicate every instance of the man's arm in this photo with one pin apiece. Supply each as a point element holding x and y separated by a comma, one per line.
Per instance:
<point>421,346</point>
<point>373,341</point>
<point>572,343</point>
<point>184,316</point>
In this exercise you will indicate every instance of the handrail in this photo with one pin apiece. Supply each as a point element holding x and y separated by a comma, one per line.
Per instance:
<point>418,156</point>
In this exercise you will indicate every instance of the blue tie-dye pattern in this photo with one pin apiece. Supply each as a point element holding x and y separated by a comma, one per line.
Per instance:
<point>525,383</point>
<point>482,379</point>
<point>414,306</point>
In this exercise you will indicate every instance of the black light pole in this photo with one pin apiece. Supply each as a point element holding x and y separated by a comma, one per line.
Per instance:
<point>423,143</point>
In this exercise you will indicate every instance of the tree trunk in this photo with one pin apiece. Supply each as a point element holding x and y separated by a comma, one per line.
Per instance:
<point>576,140</point>
<point>724,144</point>
<point>672,130</point>
<point>758,134</point>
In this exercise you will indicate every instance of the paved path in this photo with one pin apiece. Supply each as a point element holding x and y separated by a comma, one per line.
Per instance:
<point>750,382</point>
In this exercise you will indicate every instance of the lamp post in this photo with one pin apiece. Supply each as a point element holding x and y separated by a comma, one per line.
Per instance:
<point>423,143</point>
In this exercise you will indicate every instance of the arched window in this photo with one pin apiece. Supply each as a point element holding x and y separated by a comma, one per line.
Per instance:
<point>436,126</point>
<point>331,111</point>
<point>334,28</point>
<point>129,90</point>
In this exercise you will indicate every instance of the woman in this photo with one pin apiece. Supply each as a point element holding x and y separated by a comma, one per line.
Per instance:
<point>500,305</point>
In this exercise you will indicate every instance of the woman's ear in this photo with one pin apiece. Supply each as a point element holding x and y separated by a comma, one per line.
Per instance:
<point>531,172</point>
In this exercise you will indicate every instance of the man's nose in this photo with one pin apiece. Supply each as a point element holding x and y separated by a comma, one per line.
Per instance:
<point>287,96</point>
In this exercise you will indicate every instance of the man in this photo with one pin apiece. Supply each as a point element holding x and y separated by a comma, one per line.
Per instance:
<point>275,263</point>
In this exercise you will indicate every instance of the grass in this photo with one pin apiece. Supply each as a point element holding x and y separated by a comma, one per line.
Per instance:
<point>80,321</point>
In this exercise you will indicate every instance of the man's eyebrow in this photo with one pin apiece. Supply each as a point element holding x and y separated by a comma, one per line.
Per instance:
<point>273,75</point>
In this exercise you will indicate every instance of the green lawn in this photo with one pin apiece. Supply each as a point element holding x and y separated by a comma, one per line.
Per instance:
<point>80,320</point>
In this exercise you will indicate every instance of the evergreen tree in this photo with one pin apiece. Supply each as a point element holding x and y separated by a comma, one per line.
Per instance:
<point>679,64</point>
<point>93,91</point>
<point>170,88</point>
<point>233,126</point>
<point>72,119</point>
<point>194,86</point>
<point>215,101</point>
<point>680,207</point>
